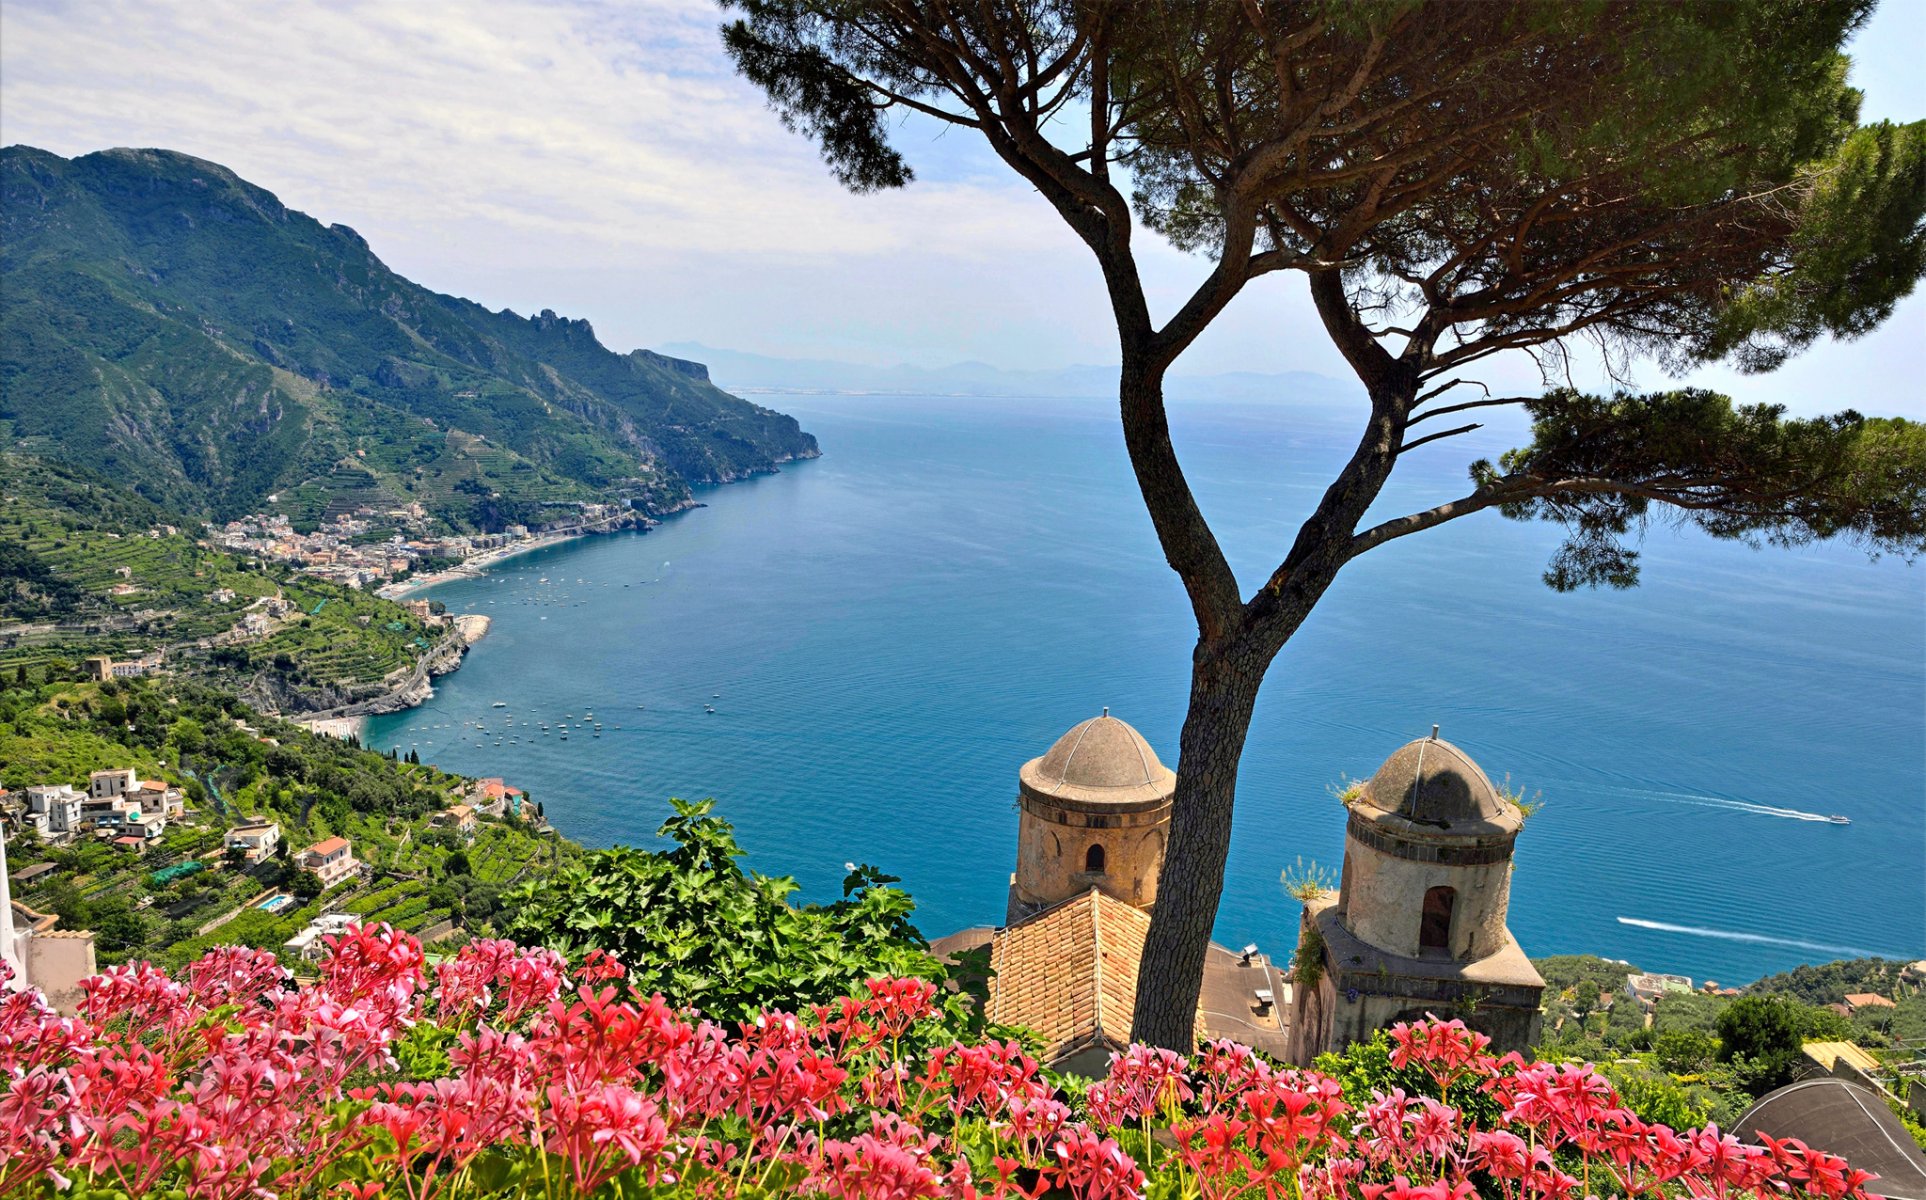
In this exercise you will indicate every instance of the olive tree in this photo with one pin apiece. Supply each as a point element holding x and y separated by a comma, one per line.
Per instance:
<point>1633,178</point>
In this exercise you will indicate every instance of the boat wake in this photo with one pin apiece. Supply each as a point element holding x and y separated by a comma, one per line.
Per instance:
<point>1743,806</point>
<point>1757,938</point>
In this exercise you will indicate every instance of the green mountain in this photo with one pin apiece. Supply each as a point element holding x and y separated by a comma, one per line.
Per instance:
<point>172,327</point>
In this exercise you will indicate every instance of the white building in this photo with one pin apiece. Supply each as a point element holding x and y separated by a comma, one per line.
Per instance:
<point>308,945</point>
<point>107,785</point>
<point>55,810</point>
<point>255,840</point>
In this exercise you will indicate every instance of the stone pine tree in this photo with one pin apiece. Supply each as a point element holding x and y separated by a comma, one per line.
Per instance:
<point>1677,182</point>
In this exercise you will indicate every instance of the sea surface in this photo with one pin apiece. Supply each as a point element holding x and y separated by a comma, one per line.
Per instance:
<point>887,633</point>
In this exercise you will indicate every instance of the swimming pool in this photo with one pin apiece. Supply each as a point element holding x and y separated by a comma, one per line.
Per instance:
<point>274,902</point>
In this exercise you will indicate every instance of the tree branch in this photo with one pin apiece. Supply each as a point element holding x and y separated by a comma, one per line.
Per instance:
<point>1408,446</point>
<point>1493,402</point>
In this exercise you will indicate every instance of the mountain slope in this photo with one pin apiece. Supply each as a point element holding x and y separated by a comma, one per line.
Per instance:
<point>164,322</point>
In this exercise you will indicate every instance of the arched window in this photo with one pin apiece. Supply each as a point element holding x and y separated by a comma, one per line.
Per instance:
<point>1434,928</point>
<point>1093,859</point>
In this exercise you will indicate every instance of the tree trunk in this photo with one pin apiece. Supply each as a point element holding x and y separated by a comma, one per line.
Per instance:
<point>1223,691</point>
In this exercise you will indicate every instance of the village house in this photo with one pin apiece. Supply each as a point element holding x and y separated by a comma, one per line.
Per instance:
<point>331,860</point>
<point>54,809</point>
<point>460,818</point>
<point>309,944</point>
<point>155,796</point>
<point>495,798</point>
<point>1647,988</point>
<point>108,785</point>
<point>28,876</point>
<point>1858,1000</point>
<point>255,840</point>
<point>110,813</point>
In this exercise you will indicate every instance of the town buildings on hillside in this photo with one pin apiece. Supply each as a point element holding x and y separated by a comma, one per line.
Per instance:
<point>348,548</point>
<point>117,804</point>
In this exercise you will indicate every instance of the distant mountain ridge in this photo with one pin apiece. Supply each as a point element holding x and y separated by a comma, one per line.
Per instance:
<point>761,372</point>
<point>166,324</point>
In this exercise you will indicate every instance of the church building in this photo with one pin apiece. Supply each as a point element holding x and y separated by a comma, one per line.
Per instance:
<point>1418,923</point>
<point>1417,926</point>
<point>1093,817</point>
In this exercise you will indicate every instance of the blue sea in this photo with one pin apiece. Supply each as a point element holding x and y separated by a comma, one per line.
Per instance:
<point>887,633</point>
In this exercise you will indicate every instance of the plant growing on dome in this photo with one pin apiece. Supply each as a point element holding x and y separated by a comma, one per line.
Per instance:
<point>1347,791</point>
<point>1515,796</point>
<point>1305,882</point>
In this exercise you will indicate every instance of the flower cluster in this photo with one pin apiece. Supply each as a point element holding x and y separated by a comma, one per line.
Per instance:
<point>543,1079</point>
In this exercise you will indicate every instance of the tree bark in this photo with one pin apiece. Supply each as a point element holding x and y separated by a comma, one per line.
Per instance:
<point>1223,691</point>
<point>1235,647</point>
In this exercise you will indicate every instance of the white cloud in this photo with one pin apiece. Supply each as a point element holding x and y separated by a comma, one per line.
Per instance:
<point>603,159</point>
<point>566,131</point>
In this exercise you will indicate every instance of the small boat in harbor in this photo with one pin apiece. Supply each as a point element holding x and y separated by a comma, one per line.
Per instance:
<point>499,704</point>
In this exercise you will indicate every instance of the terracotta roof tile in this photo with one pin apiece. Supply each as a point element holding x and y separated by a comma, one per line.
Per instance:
<point>1070,973</point>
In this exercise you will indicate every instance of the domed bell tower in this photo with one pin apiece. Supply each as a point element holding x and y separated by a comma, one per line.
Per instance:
<point>1094,811</point>
<point>1419,921</point>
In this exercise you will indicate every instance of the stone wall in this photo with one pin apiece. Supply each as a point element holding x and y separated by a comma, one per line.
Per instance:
<point>1384,894</point>
<point>1053,847</point>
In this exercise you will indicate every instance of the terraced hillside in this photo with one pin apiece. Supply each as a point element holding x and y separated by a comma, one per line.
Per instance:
<point>89,569</point>
<point>171,326</point>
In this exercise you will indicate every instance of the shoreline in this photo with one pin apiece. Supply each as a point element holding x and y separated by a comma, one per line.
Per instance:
<point>476,565</point>
<point>464,631</point>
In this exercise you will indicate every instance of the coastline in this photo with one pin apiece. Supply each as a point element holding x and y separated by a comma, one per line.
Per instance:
<point>464,630</point>
<point>476,565</point>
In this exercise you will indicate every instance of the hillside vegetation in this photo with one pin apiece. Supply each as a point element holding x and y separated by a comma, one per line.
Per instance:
<point>87,569</point>
<point>233,763</point>
<point>173,327</point>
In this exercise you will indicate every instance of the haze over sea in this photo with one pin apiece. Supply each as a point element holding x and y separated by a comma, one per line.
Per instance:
<point>888,632</point>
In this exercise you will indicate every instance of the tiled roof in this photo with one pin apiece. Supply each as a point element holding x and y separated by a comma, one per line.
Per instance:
<point>327,847</point>
<point>1868,999</point>
<point>1828,1054</point>
<point>1070,973</point>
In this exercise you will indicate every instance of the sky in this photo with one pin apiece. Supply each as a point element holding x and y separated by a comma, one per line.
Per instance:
<point>603,160</point>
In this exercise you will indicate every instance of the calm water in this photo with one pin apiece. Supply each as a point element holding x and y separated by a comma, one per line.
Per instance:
<point>887,633</point>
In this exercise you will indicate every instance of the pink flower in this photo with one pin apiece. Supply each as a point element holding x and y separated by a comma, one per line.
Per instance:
<point>987,1076</point>
<point>1142,1081</point>
<point>896,1004</point>
<point>1500,1153</point>
<point>1091,1167</point>
<point>894,1161</point>
<point>604,1131</point>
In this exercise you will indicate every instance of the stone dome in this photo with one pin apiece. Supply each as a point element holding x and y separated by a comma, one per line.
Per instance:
<point>1431,782</point>
<point>1101,760</point>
